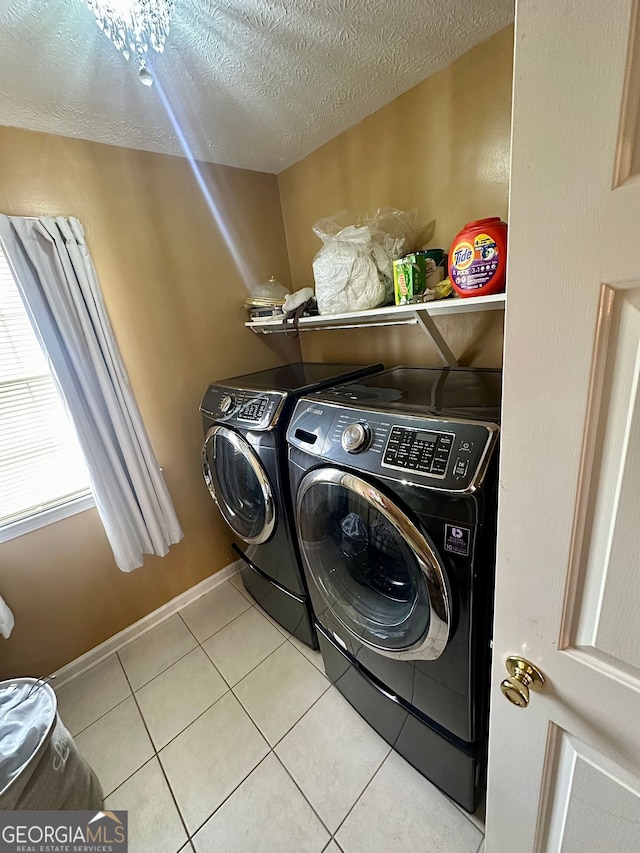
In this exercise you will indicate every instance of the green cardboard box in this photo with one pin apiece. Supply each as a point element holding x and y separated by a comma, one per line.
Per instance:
<point>412,273</point>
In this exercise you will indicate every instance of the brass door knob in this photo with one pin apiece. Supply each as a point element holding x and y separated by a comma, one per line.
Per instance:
<point>523,676</point>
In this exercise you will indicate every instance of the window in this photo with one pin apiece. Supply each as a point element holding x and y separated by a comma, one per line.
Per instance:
<point>43,476</point>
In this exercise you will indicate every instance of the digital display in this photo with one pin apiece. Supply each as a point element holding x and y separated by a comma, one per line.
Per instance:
<point>427,436</point>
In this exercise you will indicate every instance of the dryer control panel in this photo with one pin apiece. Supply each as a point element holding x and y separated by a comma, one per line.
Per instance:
<point>448,455</point>
<point>256,410</point>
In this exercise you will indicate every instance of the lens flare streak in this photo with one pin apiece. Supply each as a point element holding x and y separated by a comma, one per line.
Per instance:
<point>196,168</point>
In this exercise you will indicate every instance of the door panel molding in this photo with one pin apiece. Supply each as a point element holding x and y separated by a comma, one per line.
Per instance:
<point>602,601</point>
<point>592,803</point>
<point>627,162</point>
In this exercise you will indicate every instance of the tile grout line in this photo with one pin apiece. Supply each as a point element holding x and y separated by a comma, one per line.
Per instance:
<point>226,680</point>
<point>304,796</point>
<point>313,704</point>
<point>231,687</point>
<point>162,672</point>
<point>237,786</point>
<point>231,793</point>
<point>102,716</point>
<point>200,643</point>
<point>201,714</point>
<point>246,710</point>
<point>332,834</point>
<point>288,636</point>
<point>157,757</point>
<point>208,708</point>
<point>217,631</point>
<point>116,644</point>
<point>251,604</point>
<point>346,817</point>
<point>182,619</point>
<point>130,776</point>
<point>272,652</point>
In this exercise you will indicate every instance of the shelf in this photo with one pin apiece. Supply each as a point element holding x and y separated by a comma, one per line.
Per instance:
<point>420,314</point>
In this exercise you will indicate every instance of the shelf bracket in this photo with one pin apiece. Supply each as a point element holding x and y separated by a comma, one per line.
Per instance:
<point>431,331</point>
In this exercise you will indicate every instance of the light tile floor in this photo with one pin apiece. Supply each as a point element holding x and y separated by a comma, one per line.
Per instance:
<point>220,732</point>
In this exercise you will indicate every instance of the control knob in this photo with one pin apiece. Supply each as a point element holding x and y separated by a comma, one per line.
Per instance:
<point>356,437</point>
<point>227,404</point>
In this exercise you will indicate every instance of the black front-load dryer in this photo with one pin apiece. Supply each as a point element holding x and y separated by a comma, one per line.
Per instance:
<point>394,484</point>
<point>244,466</point>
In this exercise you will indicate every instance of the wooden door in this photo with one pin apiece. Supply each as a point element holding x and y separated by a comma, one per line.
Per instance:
<point>564,772</point>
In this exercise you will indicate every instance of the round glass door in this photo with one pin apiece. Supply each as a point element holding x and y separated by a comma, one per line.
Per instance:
<point>239,485</point>
<point>378,574</point>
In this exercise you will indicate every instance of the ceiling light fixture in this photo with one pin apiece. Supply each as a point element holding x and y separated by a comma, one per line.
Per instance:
<point>134,26</point>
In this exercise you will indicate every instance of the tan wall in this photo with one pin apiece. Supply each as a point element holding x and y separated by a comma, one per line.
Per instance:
<point>443,147</point>
<point>173,294</point>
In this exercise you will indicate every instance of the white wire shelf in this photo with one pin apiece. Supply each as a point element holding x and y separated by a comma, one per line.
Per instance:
<point>420,314</point>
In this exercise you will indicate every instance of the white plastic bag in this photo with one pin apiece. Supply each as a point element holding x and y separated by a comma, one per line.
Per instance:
<point>345,273</point>
<point>353,271</point>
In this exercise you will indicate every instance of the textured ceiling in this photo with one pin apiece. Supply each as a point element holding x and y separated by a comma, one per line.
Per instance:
<point>251,83</point>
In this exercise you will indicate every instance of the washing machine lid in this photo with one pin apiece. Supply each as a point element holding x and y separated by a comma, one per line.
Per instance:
<point>299,378</point>
<point>473,393</point>
<point>239,484</point>
<point>375,571</point>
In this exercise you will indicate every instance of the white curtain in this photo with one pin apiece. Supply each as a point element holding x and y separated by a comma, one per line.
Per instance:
<point>54,271</point>
<point>6,619</point>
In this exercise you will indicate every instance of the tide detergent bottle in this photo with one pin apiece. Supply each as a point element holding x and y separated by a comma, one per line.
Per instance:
<point>478,258</point>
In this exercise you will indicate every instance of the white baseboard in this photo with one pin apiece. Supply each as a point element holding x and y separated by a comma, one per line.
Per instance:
<point>114,644</point>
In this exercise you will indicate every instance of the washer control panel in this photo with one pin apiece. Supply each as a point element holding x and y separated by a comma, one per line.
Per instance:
<point>427,451</point>
<point>449,455</point>
<point>250,409</point>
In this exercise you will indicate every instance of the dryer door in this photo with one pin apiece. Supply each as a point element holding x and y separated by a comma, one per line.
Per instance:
<point>239,484</point>
<point>378,574</point>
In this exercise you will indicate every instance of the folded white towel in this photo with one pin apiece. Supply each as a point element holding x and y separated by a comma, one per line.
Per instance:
<point>6,619</point>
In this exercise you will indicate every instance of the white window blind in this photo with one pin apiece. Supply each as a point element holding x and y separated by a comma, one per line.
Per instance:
<point>41,464</point>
